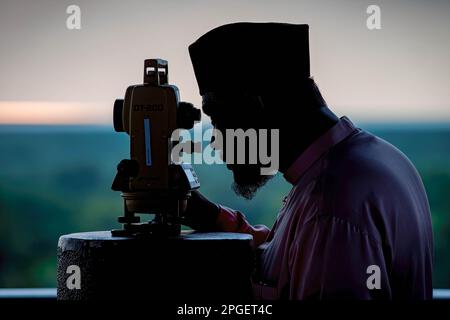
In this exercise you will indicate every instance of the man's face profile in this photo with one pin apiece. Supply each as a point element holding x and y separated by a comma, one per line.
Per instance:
<point>237,111</point>
<point>234,66</point>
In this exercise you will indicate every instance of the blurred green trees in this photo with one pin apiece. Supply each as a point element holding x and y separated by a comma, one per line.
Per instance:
<point>54,182</point>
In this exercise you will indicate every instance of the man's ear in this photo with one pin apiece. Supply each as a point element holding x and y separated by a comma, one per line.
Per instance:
<point>257,102</point>
<point>252,105</point>
<point>271,112</point>
<point>261,111</point>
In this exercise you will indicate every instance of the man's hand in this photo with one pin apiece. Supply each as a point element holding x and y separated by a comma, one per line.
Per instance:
<point>200,214</point>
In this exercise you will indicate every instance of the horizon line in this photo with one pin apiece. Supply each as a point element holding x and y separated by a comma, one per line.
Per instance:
<point>86,127</point>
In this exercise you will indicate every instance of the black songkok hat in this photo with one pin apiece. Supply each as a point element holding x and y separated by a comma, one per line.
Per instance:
<point>251,57</point>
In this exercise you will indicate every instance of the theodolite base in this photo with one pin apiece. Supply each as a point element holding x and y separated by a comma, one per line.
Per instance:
<point>191,266</point>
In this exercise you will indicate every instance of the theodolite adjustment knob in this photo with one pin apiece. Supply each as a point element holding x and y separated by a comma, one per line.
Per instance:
<point>118,115</point>
<point>125,169</point>
<point>128,167</point>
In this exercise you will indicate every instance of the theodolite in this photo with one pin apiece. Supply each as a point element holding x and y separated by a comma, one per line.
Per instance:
<point>150,181</point>
<point>154,259</point>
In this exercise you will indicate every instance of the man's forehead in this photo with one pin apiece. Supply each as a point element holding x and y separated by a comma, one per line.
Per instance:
<point>236,109</point>
<point>225,96</point>
<point>209,104</point>
<point>219,103</point>
<point>225,99</point>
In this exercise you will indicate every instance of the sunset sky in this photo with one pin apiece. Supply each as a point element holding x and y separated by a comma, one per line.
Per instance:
<point>52,75</point>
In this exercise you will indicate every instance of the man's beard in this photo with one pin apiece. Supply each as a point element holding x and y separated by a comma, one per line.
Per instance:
<point>248,180</point>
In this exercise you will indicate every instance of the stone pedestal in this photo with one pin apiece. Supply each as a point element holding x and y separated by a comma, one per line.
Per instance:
<point>192,266</point>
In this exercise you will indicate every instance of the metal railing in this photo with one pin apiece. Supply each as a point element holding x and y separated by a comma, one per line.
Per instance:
<point>50,293</point>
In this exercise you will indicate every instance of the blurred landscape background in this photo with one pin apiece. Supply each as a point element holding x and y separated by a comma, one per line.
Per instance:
<point>58,152</point>
<point>56,180</point>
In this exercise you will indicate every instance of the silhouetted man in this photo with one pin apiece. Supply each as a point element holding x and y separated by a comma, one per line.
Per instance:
<point>356,223</point>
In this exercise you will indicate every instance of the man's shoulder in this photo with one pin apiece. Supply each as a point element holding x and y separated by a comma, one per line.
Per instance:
<point>367,160</point>
<point>366,173</point>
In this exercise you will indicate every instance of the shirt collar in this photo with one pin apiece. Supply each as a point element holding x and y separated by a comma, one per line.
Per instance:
<point>341,130</point>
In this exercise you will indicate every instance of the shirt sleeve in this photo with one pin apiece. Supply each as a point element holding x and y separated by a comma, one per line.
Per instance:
<point>333,259</point>
<point>230,220</point>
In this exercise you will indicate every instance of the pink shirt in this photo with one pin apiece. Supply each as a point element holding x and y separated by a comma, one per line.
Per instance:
<point>356,224</point>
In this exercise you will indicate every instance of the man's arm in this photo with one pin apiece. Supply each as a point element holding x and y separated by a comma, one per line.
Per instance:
<point>230,220</point>
<point>204,215</point>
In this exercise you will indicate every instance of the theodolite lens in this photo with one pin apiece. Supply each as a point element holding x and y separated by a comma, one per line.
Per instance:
<point>118,115</point>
